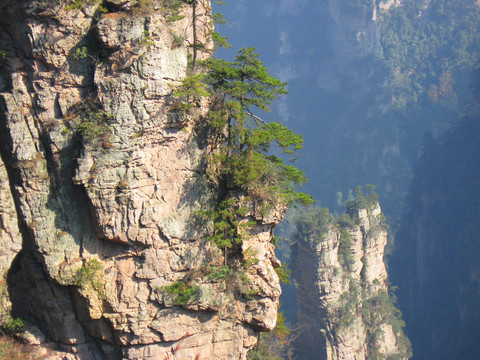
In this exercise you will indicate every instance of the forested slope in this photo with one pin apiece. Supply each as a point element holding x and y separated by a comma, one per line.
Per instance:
<point>437,258</point>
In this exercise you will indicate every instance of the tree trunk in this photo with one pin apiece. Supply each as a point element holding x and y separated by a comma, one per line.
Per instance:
<point>195,37</point>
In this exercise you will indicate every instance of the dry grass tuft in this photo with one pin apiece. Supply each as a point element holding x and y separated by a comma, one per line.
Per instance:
<point>11,349</point>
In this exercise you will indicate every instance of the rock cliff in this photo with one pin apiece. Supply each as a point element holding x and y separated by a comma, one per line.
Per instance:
<point>101,181</point>
<point>345,309</point>
<point>436,262</point>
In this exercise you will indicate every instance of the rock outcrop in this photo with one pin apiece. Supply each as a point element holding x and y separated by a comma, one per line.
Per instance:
<point>345,310</point>
<point>101,179</point>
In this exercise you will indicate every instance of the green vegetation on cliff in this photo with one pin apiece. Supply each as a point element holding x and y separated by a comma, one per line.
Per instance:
<point>362,201</point>
<point>313,223</point>
<point>244,159</point>
<point>181,292</point>
<point>358,5</point>
<point>242,140</point>
<point>429,48</point>
<point>250,160</point>
<point>351,299</point>
<point>90,276</point>
<point>273,345</point>
<point>432,49</point>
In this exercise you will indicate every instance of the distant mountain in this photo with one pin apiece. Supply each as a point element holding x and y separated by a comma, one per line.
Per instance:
<point>436,262</point>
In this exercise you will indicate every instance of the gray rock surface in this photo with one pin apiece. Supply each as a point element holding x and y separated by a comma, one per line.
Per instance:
<point>10,240</point>
<point>345,311</point>
<point>119,201</point>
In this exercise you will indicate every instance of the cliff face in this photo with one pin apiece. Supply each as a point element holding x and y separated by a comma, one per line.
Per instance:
<point>100,184</point>
<point>352,34</point>
<point>345,311</point>
<point>436,260</point>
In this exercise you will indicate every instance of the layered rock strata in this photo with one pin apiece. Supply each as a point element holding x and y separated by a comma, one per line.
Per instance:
<point>94,227</point>
<point>345,311</point>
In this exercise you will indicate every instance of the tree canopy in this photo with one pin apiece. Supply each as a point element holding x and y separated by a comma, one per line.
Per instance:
<point>244,142</point>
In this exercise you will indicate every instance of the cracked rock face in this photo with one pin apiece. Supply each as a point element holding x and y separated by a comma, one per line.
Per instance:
<point>345,311</point>
<point>10,238</point>
<point>100,224</point>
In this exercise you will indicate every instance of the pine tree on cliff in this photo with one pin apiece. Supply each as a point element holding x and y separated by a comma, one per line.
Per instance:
<point>174,7</point>
<point>242,138</point>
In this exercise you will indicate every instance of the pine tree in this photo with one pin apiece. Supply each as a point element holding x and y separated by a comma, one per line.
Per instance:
<point>244,141</point>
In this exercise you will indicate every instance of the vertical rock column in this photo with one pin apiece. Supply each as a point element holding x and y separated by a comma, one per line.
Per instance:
<point>345,311</point>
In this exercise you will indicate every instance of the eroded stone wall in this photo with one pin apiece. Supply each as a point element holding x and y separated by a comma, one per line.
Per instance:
<point>345,311</point>
<point>119,201</point>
